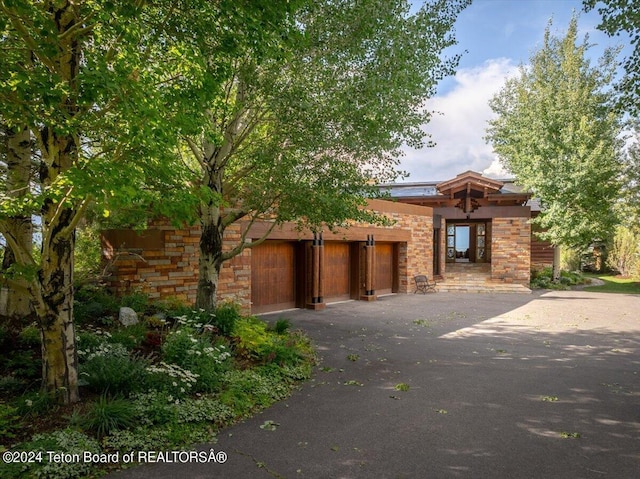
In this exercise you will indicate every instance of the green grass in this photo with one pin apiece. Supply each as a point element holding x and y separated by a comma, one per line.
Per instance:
<point>614,284</point>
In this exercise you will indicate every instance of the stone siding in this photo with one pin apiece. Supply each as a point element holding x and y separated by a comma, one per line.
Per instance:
<point>171,269</point>
<point>163,261</point>
<point>510,250</point>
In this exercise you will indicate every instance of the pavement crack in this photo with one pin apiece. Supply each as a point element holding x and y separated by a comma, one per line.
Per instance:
<point>260,464</point>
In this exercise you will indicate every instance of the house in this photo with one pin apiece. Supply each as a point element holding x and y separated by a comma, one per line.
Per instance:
<point>438,228</point>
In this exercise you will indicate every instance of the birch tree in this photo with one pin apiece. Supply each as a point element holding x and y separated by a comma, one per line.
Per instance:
<point>104,89</point>
<point>15,177</point>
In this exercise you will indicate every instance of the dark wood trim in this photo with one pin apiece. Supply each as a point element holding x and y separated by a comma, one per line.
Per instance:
<point>290,231</point>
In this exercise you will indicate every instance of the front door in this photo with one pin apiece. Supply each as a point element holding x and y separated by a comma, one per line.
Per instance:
<point>467,243</point>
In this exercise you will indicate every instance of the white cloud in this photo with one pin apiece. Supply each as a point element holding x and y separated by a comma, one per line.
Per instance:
<point>496,170</point>
<point>459,131</point>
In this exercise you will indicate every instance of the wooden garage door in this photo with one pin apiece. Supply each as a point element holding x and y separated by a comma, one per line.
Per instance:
<point>273,276</point>
<point>384,268</point>
<point>337,264</point>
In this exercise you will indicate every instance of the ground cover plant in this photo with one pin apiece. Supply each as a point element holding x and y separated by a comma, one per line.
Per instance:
<point>543,279</point>
<point>169,381</point>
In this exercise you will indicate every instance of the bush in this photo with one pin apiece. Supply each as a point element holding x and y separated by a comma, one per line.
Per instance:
<point>106,415</point>
<point>25,364</point>
<point>111,369</point>
<point>170,379</point>
<point>154,407</point>
<point>66,441</point>
<point>290,349</point>
<point>197,354</point>
<point>93,304</point>
<point>30,336</point>
<point>8,422</point>
<point>282,326</point>
<point>137,301</point>
<point>11,386</point>
<point>226,317</point>
<point>251,389</point>
<point>251,337</point>
<point>131,337</point>
<point>35,404</point>
<point>543,279</point>
<point>138,439</point>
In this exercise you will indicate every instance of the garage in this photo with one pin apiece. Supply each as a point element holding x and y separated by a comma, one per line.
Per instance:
<point>273,274</point>
<point>384,269</point>
<point>337,277</point>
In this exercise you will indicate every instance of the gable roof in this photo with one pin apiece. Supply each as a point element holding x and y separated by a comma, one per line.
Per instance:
<point>467,191</point>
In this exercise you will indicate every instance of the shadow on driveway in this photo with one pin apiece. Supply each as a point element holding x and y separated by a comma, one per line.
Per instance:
<point>451,385</point>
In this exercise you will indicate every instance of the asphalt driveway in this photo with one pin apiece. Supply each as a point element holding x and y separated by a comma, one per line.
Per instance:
<point>451,385</point>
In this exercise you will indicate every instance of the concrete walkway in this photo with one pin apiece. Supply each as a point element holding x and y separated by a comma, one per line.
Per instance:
<point>545,385</point>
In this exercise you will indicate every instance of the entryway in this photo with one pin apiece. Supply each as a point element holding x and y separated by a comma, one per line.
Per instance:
<point>467,242</point>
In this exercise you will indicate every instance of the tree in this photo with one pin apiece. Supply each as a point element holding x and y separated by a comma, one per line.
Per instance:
<point>557,132</point>
<point>305,121</point>
<point>104,88</point>
<point>620,16</point>
<point>624,255</point>
<point>15,161</point>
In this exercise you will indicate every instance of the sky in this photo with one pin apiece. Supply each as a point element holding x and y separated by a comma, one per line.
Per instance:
<point>494,38</point>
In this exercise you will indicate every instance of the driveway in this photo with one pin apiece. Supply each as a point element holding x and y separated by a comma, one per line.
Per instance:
<point>451,385</point>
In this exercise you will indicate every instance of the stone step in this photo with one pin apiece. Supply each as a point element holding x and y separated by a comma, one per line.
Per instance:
<point>474,278</point>
<point>482,288</point>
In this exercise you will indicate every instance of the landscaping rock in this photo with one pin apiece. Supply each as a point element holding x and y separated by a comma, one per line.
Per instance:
<point>127,316</point>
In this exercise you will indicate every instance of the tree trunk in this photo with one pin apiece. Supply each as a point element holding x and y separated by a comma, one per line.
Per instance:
<point>210,261</point>
<point>556,263</point>
<point>18,147</point>
<point>209,265</point>
<point>53,289</point>
<point>59,356</point>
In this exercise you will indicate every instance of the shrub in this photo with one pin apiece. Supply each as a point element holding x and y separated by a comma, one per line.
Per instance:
<point>251,337</point>
<point>24,364</point>
<point>226,317</point>
<point>130,336</point>
<point>246,390</point>
<point>282,326</point>
<point>543,279</point>
<point>110,368</point>
<point>136,301</point>
<point>35,404</point>
<point>90,341</point>
<point>93,304</point>
<point>171,379</point>
<point>198,355</point>
<point>30,336</point>
<point>290,349</point>
<point>10,385</point>
<point>107,415</point>
<point>8,422</point>
<point>205,409</point>
<point>624,255</point>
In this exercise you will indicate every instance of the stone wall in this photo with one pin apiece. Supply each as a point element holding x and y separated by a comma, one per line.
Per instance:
<point>510,250</point>
<point>415,254</point>
<point>162,261</point>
